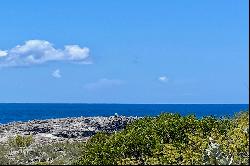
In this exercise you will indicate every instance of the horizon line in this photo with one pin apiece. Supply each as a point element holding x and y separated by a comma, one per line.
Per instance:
<point>104,103</point>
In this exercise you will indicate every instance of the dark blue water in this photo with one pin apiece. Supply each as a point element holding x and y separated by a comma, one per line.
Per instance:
<point>25,112</point>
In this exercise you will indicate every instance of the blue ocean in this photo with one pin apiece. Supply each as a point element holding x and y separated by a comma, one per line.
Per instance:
<point>26,112</point>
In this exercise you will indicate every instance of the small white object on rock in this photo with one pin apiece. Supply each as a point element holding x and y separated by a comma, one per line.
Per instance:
<point>116,114</point>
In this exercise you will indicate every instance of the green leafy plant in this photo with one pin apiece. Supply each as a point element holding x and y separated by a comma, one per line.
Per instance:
<point>172,139</point>
<point>21,141</point>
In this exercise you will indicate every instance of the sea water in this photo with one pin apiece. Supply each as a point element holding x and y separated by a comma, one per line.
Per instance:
<point>25,112</point>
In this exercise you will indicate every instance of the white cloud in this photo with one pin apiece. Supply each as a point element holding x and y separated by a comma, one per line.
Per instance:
<point>56,73</point>
<point>3,53</point>
<point>103,83</point>
<point>34,52</point>
<point>163,79</point>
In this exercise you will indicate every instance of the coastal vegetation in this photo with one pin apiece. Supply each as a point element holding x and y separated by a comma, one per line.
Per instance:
<point>61,153</point>
<point>173,139</point>
<point>165,139</point>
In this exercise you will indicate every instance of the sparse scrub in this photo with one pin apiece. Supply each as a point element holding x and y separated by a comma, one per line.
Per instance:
<point>19,150</point>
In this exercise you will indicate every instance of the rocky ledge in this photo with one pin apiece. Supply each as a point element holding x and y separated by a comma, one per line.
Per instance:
<point>64,129</point>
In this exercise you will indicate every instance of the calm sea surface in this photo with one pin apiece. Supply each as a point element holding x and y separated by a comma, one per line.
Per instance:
<point>25,112</point>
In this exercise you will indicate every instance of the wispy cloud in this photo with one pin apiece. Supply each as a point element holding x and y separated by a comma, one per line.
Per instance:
<point>103,83</point>
<point>3,53</point>
<point>56,73</point>
<point>34,52</point>
<point>163,79</point>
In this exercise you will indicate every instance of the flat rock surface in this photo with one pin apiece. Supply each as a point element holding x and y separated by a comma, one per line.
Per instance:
<point>64,129</point>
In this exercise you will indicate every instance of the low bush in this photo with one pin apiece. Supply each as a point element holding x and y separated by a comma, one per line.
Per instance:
<point>20,141</point>
<point>172,139</point>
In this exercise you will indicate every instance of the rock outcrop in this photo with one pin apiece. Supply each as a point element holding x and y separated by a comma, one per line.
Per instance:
<point>71,129</point>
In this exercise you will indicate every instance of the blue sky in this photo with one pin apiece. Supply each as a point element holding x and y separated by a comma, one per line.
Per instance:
<point>165,51</point>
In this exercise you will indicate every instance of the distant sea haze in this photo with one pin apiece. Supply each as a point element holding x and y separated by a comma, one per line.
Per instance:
<point>25,112</point>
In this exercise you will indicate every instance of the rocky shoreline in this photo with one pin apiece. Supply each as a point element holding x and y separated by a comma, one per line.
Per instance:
<point>64,129</point>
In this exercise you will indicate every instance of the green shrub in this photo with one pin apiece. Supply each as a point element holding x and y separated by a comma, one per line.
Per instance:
<point>21,141</point>
<point>234,145</point>
<point>171,139</point>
